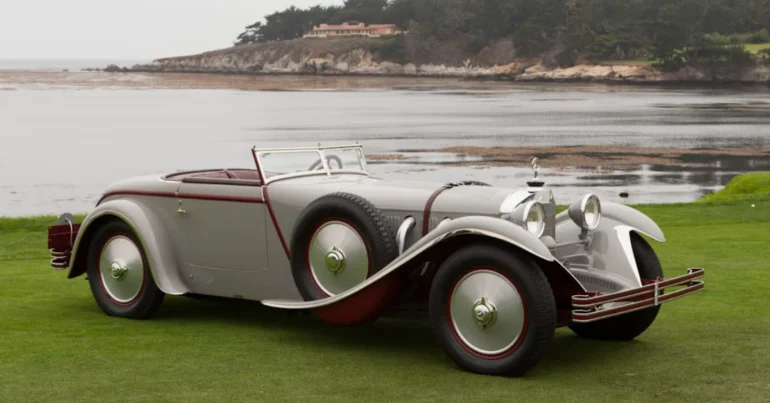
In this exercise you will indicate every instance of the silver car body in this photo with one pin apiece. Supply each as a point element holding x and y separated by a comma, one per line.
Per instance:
<point>229,235</point>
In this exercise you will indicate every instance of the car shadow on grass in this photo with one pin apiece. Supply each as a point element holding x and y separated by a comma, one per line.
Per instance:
<point>411,338</point>
<point>385,333</point>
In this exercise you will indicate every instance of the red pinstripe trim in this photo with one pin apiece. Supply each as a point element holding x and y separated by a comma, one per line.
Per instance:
<point>275,222</point>
<point>195,196</point>
<point>428,206</point>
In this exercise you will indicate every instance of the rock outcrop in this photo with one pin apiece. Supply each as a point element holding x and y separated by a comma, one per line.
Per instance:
<point>358,57</point>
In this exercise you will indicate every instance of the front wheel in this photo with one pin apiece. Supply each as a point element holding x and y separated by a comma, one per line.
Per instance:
<point>492,310</point>
<point>119,274</point>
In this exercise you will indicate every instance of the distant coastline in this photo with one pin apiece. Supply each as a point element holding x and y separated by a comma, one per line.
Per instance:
<point>354,57</point>
<point>59,64</point>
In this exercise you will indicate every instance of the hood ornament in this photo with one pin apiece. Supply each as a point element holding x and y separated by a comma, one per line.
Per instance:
<point>535,183</point>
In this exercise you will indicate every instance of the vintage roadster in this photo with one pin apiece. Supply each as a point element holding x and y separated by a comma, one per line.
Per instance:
<point>495,270</point>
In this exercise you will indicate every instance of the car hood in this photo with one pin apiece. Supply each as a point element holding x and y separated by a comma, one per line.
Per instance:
<point>414,196</point>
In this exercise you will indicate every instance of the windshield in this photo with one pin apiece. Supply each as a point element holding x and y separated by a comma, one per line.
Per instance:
<point>311,161</point>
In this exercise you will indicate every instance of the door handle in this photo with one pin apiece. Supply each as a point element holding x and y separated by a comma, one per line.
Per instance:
<point>180,211</point>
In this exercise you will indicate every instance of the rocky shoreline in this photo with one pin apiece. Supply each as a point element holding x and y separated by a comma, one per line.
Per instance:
<point>584,73</point>
<point>303,57</point>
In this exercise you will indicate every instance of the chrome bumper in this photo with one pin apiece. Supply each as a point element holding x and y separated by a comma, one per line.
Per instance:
<point>591,308</point>
<point>61,238</point>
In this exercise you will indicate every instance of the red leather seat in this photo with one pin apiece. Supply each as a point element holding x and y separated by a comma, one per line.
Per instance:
<point>248,177</point>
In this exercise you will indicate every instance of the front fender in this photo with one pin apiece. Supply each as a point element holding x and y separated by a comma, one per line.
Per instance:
<point>610,250</point>
<point>490,227</point>
<point>628,216</point>
<point>152,236</point>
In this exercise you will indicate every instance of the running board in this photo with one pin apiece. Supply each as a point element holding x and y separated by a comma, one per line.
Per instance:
<point>590,308</point>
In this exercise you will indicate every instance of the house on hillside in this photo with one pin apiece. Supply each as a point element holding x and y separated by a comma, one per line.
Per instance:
<point>360,29</point>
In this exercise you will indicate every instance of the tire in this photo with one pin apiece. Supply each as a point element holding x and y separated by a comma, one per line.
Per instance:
<point>629,326</point>
<point>127,294</point>
<point>521,333</point>
<point>344,229</point>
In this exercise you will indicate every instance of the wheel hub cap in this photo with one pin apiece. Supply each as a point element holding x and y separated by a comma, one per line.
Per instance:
<point>484,313</point>
<point>121,269</point>
<point>332,270</point>
<point>118,270</point>
<point>335,261</point>
<point>487,312</point>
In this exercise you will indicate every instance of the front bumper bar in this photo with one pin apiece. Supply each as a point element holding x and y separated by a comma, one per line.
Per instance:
<point>590,308</point>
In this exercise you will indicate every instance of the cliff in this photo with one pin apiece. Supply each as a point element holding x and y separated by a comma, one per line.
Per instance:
<point>363,56</point>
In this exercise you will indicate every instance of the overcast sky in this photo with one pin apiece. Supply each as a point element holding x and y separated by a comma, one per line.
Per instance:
<point>132,29</point>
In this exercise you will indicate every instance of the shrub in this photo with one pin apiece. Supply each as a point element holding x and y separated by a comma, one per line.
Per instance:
<point>391,49</point>
<point>715,38</point>
<point>761,36</point>
<point>733,55</point>
<point>750,186</point>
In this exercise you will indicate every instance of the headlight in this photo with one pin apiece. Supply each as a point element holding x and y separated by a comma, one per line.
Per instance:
<point>587,212</point>
<point>531,216</point>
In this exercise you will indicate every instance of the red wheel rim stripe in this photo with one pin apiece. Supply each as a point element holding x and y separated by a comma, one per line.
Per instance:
<point>456,336</point>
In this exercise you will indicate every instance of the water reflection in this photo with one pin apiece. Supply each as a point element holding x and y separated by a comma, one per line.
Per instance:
<point>687,179</point>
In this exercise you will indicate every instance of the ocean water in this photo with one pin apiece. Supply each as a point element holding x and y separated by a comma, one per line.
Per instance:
<point>64,64</point>
<point>59,148</point>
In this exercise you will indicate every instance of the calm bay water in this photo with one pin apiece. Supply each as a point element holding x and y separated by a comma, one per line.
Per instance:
<point>60,147</point>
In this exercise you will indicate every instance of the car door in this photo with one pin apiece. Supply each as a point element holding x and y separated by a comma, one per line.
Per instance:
<point>223,229</point>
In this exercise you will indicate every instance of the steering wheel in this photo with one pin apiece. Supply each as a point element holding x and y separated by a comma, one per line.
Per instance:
<point>329,159</point>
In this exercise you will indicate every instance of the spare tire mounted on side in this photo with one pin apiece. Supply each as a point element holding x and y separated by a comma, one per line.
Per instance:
<point>339,241</point>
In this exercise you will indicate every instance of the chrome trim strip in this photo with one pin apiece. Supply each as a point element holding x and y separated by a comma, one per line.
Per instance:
<point>582,301</point>
<point>403,230</point>
<point>587,316</point>
<point>319,147</point>
<point>512,200</point>
<point>591,309</point>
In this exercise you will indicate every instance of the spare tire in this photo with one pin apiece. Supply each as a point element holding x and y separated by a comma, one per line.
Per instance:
<point>339,241</point>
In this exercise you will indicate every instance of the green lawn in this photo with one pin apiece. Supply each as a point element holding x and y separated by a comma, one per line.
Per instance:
<point>56,345</point>
<point>756,47</point>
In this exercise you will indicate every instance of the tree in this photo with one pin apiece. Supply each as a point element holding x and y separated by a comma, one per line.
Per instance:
<point>668,30</point>
<point>251,34</point>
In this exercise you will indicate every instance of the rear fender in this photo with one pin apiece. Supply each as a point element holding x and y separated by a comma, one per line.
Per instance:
<point>489,228</point>
<point>152,236</point>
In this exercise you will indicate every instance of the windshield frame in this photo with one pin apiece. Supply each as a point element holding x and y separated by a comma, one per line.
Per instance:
<point>258,153</point>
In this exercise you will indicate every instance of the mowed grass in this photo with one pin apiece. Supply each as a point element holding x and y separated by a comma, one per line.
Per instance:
<point>756,47</point>
<point>57,345</point>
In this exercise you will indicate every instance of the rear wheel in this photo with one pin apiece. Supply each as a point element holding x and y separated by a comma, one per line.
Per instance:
<point>628,326</point>
<point>492,310</point>
<point>119,274</point>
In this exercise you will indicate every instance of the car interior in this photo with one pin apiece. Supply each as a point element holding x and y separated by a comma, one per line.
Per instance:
<point>227,176</point>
